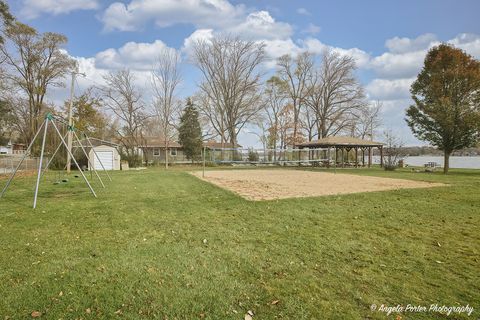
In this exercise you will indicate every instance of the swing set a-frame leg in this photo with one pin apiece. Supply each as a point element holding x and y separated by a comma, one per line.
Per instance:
<point>39,173</point>
<point>88,159</point>
<point>74,160</point>
<point>96,156</point>
<point>53,156</point>
<point>21,161</point>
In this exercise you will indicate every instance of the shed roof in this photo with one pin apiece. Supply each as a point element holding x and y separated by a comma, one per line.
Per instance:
<point>340,141</point>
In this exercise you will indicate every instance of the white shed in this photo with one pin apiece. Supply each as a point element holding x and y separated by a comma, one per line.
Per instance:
<point>109,157</point>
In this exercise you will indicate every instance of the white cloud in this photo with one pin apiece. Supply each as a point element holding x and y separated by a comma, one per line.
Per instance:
<point>317,47</point>
<point>133,55</point>
<point>277,48</point>
<point>198,35</point>
<point>218,15</point>
<point>33,8</point>
<point>385,89</point>
<point>303,11</point>
<point>406,56</point>
<point>468,42</point>
<point>403,45</point>
<point>260,25</point>
<point>200,13</point>
<point>393,66</point>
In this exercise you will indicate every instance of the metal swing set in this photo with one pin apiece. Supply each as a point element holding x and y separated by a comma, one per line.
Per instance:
<point>51,119</point>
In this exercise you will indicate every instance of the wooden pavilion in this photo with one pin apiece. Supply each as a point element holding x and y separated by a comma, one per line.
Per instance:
<point>344,145</point>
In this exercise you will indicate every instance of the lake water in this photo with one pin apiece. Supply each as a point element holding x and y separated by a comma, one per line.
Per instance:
<point>455,162</point>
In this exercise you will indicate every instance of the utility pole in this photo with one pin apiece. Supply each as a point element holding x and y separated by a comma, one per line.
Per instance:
<point>70,120</point>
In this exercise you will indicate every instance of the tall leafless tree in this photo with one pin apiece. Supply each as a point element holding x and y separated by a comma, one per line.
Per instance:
<point>231,81</point>
<point>335,94</point>
<point>296,73</point>
<point>367,120</point>
<point>165,81</point>
<point>122,98</point>
<point>275,95</point>
<point>34,62</point>
<point>212,117</point>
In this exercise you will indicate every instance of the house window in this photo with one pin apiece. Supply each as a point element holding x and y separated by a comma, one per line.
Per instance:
<point>173,152</point>
<point>156,151</point>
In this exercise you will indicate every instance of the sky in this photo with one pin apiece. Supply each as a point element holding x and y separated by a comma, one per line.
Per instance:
<point>388,39</point>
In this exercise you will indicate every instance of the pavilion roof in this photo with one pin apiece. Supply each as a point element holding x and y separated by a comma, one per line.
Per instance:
<point>339,141</point>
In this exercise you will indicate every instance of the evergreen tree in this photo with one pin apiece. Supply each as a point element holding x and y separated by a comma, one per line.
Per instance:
<point>447,100</point>
<point>190,133</point>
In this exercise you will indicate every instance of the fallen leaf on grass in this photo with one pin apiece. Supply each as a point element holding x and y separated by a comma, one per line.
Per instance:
<point>438,261</point>
<point>88,311</point>
<point>36,314</point>
<point>274,302</point>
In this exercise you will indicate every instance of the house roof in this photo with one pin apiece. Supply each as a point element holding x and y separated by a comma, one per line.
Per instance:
<point>95,142</point>
<point>340,141</point>
<point>156,142</point>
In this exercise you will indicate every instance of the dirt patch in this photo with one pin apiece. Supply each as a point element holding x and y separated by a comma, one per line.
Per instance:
<point>281,184</point>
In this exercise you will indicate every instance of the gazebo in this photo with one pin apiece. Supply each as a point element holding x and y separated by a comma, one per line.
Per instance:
<point>346,144</point>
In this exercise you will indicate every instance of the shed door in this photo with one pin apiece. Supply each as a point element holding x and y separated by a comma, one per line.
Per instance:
<point>106,157</point>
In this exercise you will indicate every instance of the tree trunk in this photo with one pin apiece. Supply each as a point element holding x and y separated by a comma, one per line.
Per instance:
<point>166,149</point>
<point>446,161</point>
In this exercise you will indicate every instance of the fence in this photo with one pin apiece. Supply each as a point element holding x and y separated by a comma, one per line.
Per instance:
<point>314,157</point>
<point>8,164</point>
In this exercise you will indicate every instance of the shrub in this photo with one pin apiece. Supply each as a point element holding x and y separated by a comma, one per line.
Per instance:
<point>252,155</point>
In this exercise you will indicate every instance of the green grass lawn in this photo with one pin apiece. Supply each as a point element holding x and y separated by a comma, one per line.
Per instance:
<point>138,251</point>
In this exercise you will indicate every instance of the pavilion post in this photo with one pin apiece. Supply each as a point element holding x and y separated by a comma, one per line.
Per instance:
<point>363,157</point>
<point>356,157</point>
<point>335,162</point>
<point>369,157</point>
<point>381,156</point>
<point>328,157</point>
<point>343,157</point>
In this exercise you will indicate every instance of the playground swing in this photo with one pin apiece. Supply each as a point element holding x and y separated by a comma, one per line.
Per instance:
<point>51,119</point>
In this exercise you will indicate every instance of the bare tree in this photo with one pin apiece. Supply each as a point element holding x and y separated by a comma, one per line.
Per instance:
<point>286,126</point>
<point>308,123</point>
<point>367,119</point>
<point>275,95</point>
<point>212,117</point>
<point>393,150</point>
<point>34,63</point>
<point>334,94</point>
<point>296,73</point>
<point>121,97</point>
<point>165,80</point>
<point>230,81</point>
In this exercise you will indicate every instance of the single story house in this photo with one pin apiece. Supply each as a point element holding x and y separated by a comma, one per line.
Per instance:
<point>154,150</point>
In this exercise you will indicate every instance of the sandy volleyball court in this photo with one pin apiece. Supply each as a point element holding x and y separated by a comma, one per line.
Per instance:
<point>281,184</point>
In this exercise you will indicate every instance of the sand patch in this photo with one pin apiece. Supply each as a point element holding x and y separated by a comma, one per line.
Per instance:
<point>281,184</point>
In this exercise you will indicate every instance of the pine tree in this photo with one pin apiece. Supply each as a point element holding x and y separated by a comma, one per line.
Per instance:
<point>447,101</point>
<point>190,133</point>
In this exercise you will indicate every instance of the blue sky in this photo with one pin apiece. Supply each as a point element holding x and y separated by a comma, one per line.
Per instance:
<point>388,39</point>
